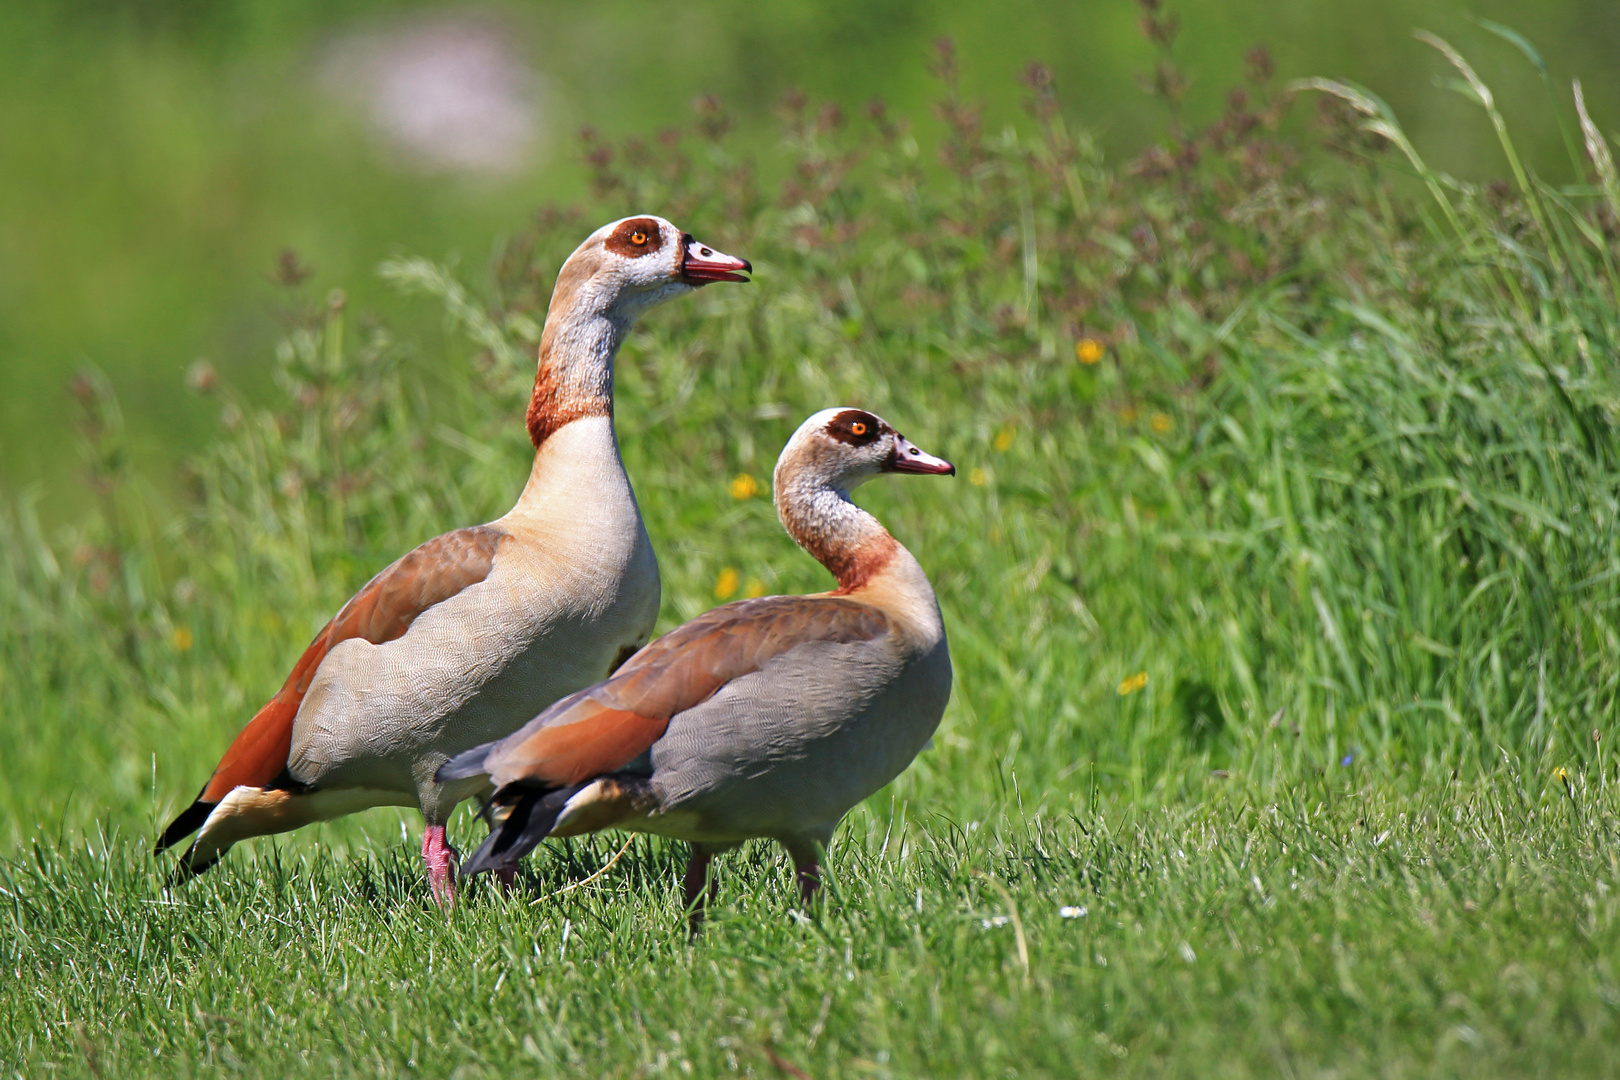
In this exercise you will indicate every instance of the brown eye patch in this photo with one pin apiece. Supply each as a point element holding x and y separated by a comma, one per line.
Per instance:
<point>635,238</point>
<point>856,427</point>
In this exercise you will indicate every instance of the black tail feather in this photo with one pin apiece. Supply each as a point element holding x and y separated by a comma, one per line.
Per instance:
<point>530,822</point>
<point>188,867</point>
<point>190,820</point>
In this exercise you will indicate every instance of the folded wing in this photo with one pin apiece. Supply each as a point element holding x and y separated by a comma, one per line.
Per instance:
<point>380,612</point>
<point>606,727</point>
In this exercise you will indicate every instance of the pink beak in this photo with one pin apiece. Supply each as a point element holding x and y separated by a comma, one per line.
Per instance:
<point>702,264</point>
<point>908,458</point>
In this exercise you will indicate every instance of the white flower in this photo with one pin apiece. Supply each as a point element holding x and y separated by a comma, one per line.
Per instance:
<point>1069,911</point>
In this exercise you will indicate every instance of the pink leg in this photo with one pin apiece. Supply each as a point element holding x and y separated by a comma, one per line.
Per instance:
<point>441,862</point>
<point>698,887</point>
<point>507,876</point>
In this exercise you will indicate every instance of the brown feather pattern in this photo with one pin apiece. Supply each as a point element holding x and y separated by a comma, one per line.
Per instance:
<point>380,612</point>
<point>603,729</point>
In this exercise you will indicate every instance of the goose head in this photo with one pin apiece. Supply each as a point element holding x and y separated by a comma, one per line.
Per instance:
<point>632,264</point>
<point>840,449</point>
<point>833,452</point>
<point>621,270</point>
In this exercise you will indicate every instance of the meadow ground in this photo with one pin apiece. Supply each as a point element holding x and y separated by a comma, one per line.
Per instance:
<point>1278,573</point>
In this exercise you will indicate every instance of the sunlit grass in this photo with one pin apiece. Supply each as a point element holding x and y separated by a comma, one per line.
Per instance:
<point>1370,927</point>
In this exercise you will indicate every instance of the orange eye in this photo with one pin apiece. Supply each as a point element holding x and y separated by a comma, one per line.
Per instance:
<point>858,427</point>
<point>638,238</point>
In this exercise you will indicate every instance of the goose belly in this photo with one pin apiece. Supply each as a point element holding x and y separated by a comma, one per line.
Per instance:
<point>790,749</point>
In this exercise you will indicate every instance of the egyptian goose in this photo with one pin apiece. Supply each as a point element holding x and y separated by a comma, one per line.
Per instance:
<point>459,641</point>
<point>763,718</point>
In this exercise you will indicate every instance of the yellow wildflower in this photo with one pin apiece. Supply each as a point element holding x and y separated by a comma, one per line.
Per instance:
<point>725,586</point>
<point>1160,422</point>
<point>977,478</point>
<point>1004,438</point>
<point>182,639</point>
<point>1133,683</point>
<point>1088,350</point>
<point>755,588</point>
<point>1127,414</point>
<point>743,486</point>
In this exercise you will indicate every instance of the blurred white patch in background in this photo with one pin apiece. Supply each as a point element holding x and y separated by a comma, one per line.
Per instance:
<point>448,91</point>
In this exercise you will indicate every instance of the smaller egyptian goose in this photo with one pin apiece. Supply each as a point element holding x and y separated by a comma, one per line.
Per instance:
<point>763,718</point>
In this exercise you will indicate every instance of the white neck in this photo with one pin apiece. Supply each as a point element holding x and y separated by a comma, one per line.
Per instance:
<point>865,559</point>
<point>578,475</point>
<point>587,323</point>
<point>580,347</point>
<point>570,415</point>
<point>826,523</point>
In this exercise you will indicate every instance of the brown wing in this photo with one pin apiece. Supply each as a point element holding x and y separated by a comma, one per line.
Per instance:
<point>606,727</point>
<point>382,611</point>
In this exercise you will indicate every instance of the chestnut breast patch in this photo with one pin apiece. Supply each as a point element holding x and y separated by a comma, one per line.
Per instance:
<point>635,238</point>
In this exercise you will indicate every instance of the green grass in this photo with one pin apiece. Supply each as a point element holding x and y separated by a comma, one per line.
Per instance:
<point>1284,637</point>
<point>1346,928</point>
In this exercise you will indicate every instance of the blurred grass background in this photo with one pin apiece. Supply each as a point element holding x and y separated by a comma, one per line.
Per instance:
<point>157,158</point>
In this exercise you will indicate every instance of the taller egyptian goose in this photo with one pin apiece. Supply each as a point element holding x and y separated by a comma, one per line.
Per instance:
<point>458,642</point>
<point>763,718</point>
